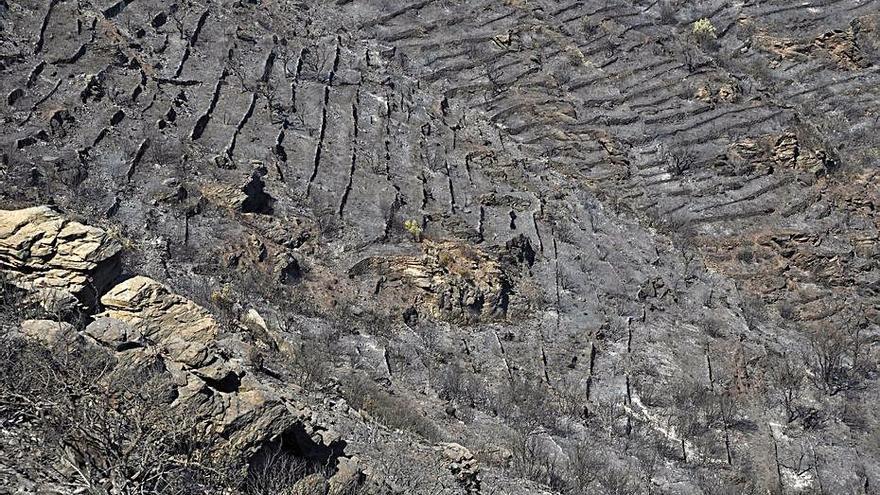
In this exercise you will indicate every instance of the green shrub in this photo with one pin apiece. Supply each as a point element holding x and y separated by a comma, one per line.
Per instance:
<point>704,30</point>
<point>413,228</point>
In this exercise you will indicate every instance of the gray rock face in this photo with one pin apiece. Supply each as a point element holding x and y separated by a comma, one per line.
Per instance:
<point>695,309</point>
<point>114,333</point>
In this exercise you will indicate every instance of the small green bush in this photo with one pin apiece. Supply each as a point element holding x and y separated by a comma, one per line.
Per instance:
<point>704,30</point>
<point>413,228</point>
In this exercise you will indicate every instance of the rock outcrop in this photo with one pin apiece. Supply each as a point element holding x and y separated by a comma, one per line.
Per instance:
<point>184,329</point>
<point>463,466</point>
<point>141,312</point>
<point>144,322</point>
<point>783,150</point>
<point>460,283</point>
<point>249,198</point>
<point>700,207</point>
<point>42,251</point>
<point>455,281</point>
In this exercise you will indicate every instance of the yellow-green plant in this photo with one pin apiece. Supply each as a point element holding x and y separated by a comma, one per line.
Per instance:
<point>704,30</point>
<point>413,228</point>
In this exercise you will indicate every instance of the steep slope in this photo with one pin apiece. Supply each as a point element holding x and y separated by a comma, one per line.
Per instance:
<point>604,251</point>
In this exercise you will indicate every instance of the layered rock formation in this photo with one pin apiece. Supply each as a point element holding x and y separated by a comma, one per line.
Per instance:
<point>41,250</point>
<point>178,325</point>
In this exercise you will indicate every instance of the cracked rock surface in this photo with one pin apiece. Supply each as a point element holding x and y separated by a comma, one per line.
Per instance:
<point>40,250</point>
<point>497,247</point>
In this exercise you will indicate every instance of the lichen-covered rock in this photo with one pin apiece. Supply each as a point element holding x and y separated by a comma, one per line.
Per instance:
<point>41,250</point>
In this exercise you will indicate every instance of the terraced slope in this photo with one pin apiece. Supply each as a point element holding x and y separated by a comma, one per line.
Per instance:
<point>601,251</point>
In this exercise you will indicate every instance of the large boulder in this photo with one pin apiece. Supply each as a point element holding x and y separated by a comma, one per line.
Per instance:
<point>42,251</point>
<point>186,330</point>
